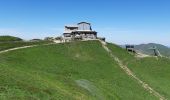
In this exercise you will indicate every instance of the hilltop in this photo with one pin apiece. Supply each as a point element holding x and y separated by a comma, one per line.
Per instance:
<point>7,42</point>
<point>79,70</point>
<point>9,39</point>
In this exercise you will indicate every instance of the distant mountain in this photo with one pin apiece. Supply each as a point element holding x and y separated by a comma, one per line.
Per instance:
<point>144,48</point>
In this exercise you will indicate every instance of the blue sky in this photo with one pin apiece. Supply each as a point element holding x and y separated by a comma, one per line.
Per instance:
<point>120,21</point>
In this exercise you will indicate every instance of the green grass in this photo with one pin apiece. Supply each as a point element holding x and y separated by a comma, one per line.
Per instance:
<point>9,38</point>
<point>71,71</point>
<point>155,72</point>
<point>8,45</point>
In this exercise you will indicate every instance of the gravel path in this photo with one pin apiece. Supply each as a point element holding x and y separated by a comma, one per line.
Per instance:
<point>131,74</point>
<point>17,48</point>
<point>125,68</point>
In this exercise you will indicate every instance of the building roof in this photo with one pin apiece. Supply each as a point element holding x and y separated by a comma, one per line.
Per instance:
<point>72,26</point>
<point>68,31</point>
<point>85,31</point>
<point>83,22</point>
<point>75,28</point>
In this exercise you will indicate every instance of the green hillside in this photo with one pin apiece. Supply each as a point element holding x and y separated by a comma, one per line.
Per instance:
<point>7,42</point>
<point>71,71</point>
<point>8,45</point>
<point>9,38</point>
<point>155,72</point>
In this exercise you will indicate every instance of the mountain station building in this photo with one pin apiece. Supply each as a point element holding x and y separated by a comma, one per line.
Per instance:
<point>81,31</point>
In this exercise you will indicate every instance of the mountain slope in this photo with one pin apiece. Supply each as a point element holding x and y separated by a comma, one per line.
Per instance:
<point>153,71</point>
<point>78,70</point>
<point>9,45</point>
<point>144,48</point>
<point>9,38</point>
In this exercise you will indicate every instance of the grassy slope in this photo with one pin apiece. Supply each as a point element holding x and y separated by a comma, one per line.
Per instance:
<point>152,71</point>
<point>80,70</point>
<point>8,45</point>
<point>9,38</point>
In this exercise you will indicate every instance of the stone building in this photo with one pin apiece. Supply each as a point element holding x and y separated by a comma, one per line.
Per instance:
<point>81,31</point>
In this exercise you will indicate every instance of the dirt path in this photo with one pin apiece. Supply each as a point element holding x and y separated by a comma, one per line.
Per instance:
<point>131,74</point>
<point>125,68</point>
<point>141,55</point>
<point>17,48</point>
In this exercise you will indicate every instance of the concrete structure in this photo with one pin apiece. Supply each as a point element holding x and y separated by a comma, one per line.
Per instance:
<point>155,51</point>
<point>81,31</point>
<point>130,48</point>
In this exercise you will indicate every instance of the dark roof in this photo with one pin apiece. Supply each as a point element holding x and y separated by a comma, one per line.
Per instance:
<point>130,46</point>
<point>85,31</point>
<point>71,26</point>
<point>83,22</point>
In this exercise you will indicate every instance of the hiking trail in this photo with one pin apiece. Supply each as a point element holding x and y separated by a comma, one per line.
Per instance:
<point>131,74</point>
<point>23,47</point>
